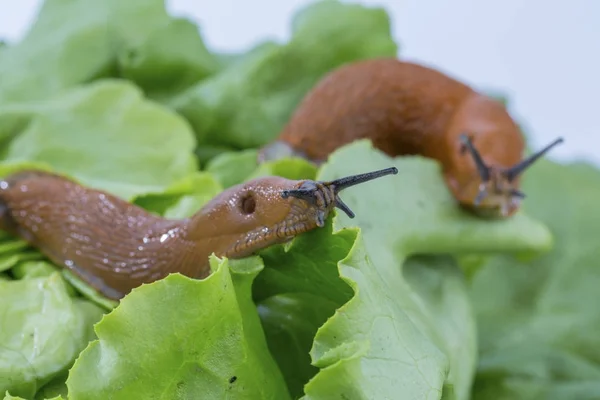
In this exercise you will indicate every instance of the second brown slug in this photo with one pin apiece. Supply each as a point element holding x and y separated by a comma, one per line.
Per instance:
<point>115,246</point>
<point>410,109</point>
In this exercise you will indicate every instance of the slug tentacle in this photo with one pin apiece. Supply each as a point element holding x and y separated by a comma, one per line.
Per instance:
<point>342,206</point>
<point>325,195</point>
<point>516,170</point>
<point>484,170</point>
<point>497,188</point>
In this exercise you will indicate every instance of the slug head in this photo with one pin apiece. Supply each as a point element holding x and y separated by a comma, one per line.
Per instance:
<point>265,211</point>
<point>322,197</point>
<point>497,193</point>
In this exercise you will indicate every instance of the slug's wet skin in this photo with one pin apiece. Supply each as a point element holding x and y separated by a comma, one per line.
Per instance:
<point>408,109</point>
<point>116,246</point>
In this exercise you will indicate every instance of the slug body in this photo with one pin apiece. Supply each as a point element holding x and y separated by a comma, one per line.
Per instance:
<point>116,246</point>
<point>409,109</point>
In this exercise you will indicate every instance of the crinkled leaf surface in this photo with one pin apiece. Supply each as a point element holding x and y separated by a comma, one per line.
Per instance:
<point>182,338</point>
<point>290,321</point>
<point>9,397</point>
<point>72,42</point>
<point>539,324</point>
<point>198,184</point>
<point>108,137</point>
<point>290,168</point>
<point>12,251</point>
<point>395,335</point>
<point>170,59</point>
<point>403,323</point>
<point>297,292</point>
<point>207,187</point>
<point>247,103</point>
<point>42,331</point>
<point>55,389</point>
<point>300,286</point>
<point>32,269</point>
<point>231,168</point>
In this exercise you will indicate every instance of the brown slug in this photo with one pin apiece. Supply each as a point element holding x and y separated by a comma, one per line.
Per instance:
<point>115,246</point>
<point>408,109</point>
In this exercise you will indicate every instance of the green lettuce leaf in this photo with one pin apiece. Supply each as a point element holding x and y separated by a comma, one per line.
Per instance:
<point>32,269</point>
<point>43,331</point>
<point>107,136</point>
<point>290,168</point>
<point>197,185</point>
<point>290,321</point>
<point>182,338</point>
<point>233,167</point>
<point>11,253</point>
<point>363,308</point>
<point>55,389</point>
<point>538,321</point>
<point>170,59</point>
<point>247,103</point>
<point>297,292</point>
<point>397,331</point>
<point>189,204</point>
<point>402,320</point>
<point>73,42</point>
<point>9,397</point>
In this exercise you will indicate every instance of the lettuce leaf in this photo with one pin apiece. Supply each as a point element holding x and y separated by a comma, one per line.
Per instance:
<point>11,253</point>
<point>56,389</point>
<point>402,319</point>
<point>32,269</point>
<point>199,185</point>
<point>233,167</point>
<point>396,332</point>
<point>247,103</point>
<point>297,292</point>
<point>43,331</point>
<point>170,59</point>
<point>197,339</point>
<point>363,308</point>
<point>538,320</point>
<point>73,42</point>
<point>107,136</point>
<point>9,397</point>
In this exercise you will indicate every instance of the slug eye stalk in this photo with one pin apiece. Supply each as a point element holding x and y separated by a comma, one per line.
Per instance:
<point>518,169</point>
<point>492,180</point>
<point>325,195</point>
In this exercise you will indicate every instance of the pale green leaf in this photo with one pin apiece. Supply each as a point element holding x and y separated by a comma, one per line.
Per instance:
<point>42,331</point>
<point>182,338</point>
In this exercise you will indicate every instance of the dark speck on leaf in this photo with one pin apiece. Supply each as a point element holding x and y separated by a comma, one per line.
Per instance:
<point>131,56</point>
<point>233,379</point>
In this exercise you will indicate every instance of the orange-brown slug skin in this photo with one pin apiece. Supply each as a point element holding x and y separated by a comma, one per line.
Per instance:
<point>409,109</point>
<point>116,246</point>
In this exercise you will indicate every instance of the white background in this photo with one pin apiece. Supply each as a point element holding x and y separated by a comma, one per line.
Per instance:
<point>545,54</point>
